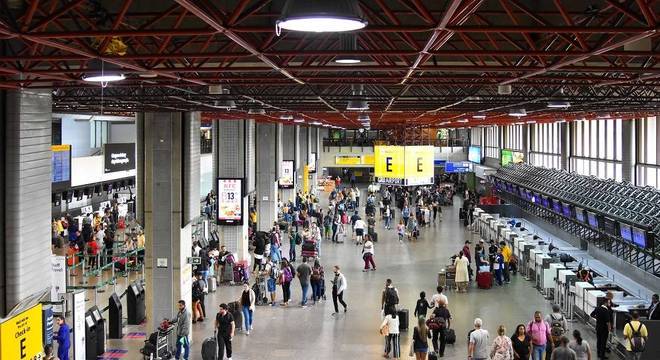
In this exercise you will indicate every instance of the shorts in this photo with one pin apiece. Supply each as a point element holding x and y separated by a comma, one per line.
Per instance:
<point>424,349</point>
<point>359,232</point>
<point>271,285</point>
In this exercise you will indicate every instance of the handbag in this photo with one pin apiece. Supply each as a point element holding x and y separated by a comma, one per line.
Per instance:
<point>385,330</point>
<point>411,352</point>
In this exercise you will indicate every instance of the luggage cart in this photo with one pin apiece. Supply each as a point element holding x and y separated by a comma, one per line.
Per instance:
<point>160,345</point>
<point>450,276</point>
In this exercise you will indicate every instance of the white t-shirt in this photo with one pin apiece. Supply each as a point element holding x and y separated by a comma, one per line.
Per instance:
<point>435,299</point>
<point>100,235</point>
<point>480,340</point>
<point>359,224</point>
<point>393,324</point>
<point>369,247</point>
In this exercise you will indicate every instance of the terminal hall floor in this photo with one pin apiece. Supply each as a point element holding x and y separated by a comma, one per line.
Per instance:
<point>312,333</point>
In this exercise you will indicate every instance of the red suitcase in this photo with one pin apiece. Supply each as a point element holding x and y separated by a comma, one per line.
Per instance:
<point>484,280</point>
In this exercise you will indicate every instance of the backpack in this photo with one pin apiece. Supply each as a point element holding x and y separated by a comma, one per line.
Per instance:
<point>556,327</point>
<point>391,297</point>
<point>287,275</point>
<point>316,274</point>
<point>197,291</point>
<point>406,212</point>
<point>637,341</point>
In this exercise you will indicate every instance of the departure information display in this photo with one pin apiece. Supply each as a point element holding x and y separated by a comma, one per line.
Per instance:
<point>61,164</point>
<point>230,201</point>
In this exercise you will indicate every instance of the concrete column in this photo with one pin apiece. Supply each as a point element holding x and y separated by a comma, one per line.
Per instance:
<point>629,152</point>
<point>565,145</point>
<point>303,156</point>
<point>139,156</point>
<point>171,160</point>
<point>235,159</point>
<point>314,148</point>
<point>266,175</point>
<point>289,150</point>
<point>525,141</point>
<point>26,195</point>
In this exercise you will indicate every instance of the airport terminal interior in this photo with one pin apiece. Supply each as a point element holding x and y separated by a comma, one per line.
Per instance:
<point>329,179</point>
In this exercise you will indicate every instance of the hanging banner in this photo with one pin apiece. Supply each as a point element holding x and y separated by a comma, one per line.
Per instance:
<point>389,167</point>
<point>348,160</point>
<point>286,180</point>
<point>186,274</point>
<point>418,165</point>
<point>306,179</point>
<point>230,201</point>
<point>58,281</point>
<point>21,337</point>
<point>312,163</point>
<point>79,326</point>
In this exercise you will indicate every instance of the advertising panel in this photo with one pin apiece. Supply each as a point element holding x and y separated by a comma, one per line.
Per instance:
<point>368,159</point>
<point>21,336</point>
<point>58,281</point>
<point>389,167</point>
<point>418,162</point>
<point>61,164</point>
<point>79,326</point>
<point>287,175</point>
<point>118,157</point>
<point>312,163</point>
<point>458,167</point>
<point>510,156</point>
<point>230,201</point>
<point>348,160</point>
<point>474,154</point>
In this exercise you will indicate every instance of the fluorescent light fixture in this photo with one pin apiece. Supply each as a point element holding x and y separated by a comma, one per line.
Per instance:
<point>479,116</point>
<point>298,120</point>
<point>532,122</point>
<point>558,104</point>
<point>286,117</point>
<point>357,105</point>
<point>347,60</point>
<point>321,16</point>
<point>256,111</point>
<point>560,121</point>
<point>603,116</point>
<point>462,120</point>
<point>315,123</point>
<point>363,117</point>
<point>517,112</point>
<point>102,72</point>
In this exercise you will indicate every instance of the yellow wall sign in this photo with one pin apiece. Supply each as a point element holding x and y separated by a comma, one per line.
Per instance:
<point>419,165</point>
<point>21,336</point>
<point>348,160</point>
<point>306,179</point>
<point>368,159</point>
<point>389,167</point>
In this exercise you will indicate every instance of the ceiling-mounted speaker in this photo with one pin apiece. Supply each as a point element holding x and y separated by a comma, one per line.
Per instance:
<point>504,89</point>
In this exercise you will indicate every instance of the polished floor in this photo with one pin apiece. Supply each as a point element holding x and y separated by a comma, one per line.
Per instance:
<point>312,333</point>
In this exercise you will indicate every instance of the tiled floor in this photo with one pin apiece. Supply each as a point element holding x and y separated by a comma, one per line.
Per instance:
<point>312,333</point>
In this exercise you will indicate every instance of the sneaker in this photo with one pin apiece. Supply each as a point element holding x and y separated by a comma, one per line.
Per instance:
<point>303,306</point>
<point>365,270</point>
<point>247,333</point>
<point>374,269</point>
<point>333,314</point>
<point>251,328</point>
<point>345,309</point>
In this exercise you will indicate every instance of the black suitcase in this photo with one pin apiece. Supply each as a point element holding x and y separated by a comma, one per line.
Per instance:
<point>210,349</point>
<point>433,355</point>
<point>236,313</point>
<point>374,237</point>
<point>402,314</point>
<point>308,246</point>
<point>450,337</point>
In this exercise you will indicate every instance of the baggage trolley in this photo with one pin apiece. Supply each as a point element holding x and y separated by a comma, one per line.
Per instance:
<point>160,344</point>
<point>450,277</point>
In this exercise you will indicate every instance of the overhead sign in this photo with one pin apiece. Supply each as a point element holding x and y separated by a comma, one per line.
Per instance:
<point>348,160</point>
<point>368,159</point>
<point>404,165</point>
<point>286,180</point>
<point>194,260</point>
<point>230,201</point>
<point>458,167</point>
<point>312,163</point>
<point>418,165</point>
<point>61,164</point>
<point>118,157</point>
<point>21,336</point>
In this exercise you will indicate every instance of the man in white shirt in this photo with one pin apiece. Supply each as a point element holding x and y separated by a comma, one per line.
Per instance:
<point>439,297</point>
<point>479,343</point>
<point>100,235</point>
<point>359,229</point>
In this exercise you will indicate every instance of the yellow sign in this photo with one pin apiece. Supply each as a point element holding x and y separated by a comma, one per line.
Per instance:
<point>347,160</point>
<point>21,336</point>
<point>419,165</point>
<point>306,179</point>
<point>368,159</point>
<point>57,148</point>
<point>389,164</point>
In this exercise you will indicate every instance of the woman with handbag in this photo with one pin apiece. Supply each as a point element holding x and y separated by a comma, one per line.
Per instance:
<point>502,348</point>
<point>368,254</point>
<point>390,329</point>
<point>421,336</point>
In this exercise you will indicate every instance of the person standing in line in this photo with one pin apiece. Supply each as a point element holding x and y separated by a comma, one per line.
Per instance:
<point>339,285</point>
<point>421,335</point>
<point>602,316</point>
<point>563,352</point>
<point>63,339</point>
<point>285,277</point>
<point>247,301</point>
<point>636,335</point>
<point>304,272</point>
<point>580,346</point>
<point>368,255</point>
<point>502,349</point>
<point>506,253</point>
<point>225,328</point>
<point>392,339</point>
<point>478,345</point>
<point>522,343</point>
<point>182,331</point>
<point>462,275</point>
<point>317,280</point>
<point>498,266</point>
<point>539,331</point>
<point>654,309</point>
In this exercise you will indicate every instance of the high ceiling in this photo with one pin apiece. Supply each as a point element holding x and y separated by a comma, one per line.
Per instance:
<point>424,62</point>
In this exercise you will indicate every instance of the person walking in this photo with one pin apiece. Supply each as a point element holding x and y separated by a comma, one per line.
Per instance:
<point>439,296</point>
<point>284,278</point>
<point>462,276</point>
<point>401,230</point>
<point>602,316</point>
<point>304,272</point>
<point>339,285</point>
<point>368,254</point>
<point>440,321</point>
<point>580,346</point>
<point>478,344</point>
<point>390,329</point>
<point>317,280</point>
<point>271,272</point>
<point>405,214</point>
<point>563,352</point>
<point>389,298</point>
<point>225,328</point>
<point>539,331</point>
<point>182,331</point>
<point>502,349</point>
<point>521,343</point>
<point>558,325</point>
<point>387,216</point>
<point>63,339</point>
<point>247,300</point>
<point>422,306</point>
<point>636,334</point>
<point>421,336</point>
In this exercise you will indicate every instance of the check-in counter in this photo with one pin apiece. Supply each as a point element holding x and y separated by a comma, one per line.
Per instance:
<point>580,296</point>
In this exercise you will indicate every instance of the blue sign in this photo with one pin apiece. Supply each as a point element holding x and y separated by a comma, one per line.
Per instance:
<point>457,167</point>
<point>440,163</point>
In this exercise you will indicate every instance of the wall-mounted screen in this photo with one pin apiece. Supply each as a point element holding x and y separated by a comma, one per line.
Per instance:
<point>61,164</point>
<point>609,226</point>
<point>118,157</point>
<point>510,156</point>
<point>545,201</point>
<point>556,206</point>
<point>592,219</point>
<point>579,215</point>
<point>474,154</point>
<point>312,163</point>
<point>639,237</point>
<point>626,232</point>
<point>287,175</point>
<point>230,201</point>
<point>566,210</point>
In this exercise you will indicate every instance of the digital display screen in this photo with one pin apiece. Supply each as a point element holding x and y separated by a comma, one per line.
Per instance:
<point>509,187</point>
<point>545,201</point>
<point>522,192</point>
<point>61,164</point>
<point>286,175</point>
<point>556,206</point>
<point>566,210</point>
<point>593,219</point>
<point>510,156</point>
<point>626,232</point>
<point>312,163</point>
<point>609,226</point>
<point>230,201</point>
<point>474,154</point>
<point>118,157</point>
<point>639,237</point>
<point>579,214</point>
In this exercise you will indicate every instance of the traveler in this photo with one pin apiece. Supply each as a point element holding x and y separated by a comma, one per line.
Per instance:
<point>558,324</point>
<point>259,250</point>
<point>654,309</point>
<point>368,255</point>
<point>48,352</point>
<point>339,285</point>
<point>421,336</point>
<point>439,321</point>
<point>197,298</point>
<point>63,339</point>
<point>422,306</point>
<point>285,277</point>
<point>317,280</point>
<point>335,227</point>
<point>359,226</point>
<point>182,331</point>
<point>401,230</point>
<point>389,298</point>
<point>539,331</point>
<point>502,349</point>
<point>580,346</point>
<point>498,266</point>
<point>462,277</point>
<point>562,351</point>
<point>271,272</point>
<point>478,344</point>
<point>405,214</point>
<point>327,225</point>
<point>390,329</point>
<point>387,216</point>
<point>636,336</point>
<point>315,233</point>
<point>439,296</point>
<point>521,343</point>
<point>247,301</point>
<point>602,316</point>
<point>304,272</point>
<point>294,239</point>
<point>506,253</point>
<point>225,327</point>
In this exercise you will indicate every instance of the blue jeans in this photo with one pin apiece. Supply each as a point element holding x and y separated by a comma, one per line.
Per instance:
<point>305,288</point>
<point>387,222</point>
<point>537,352</point>
<point>247,317</point>
<point>292,252</point>
<point>498,276</point>
<point>316,291</point>
<point>185,345</point>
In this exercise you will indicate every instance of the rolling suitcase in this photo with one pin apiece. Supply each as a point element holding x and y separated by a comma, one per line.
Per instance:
<point>236,313</point>
<point>484,280</point>
<point>433,355</point>
<point>402,314</point>
<point>374,237</point>
<point>450,337</point>
<point>212,284</point>
<point>210,349</point>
